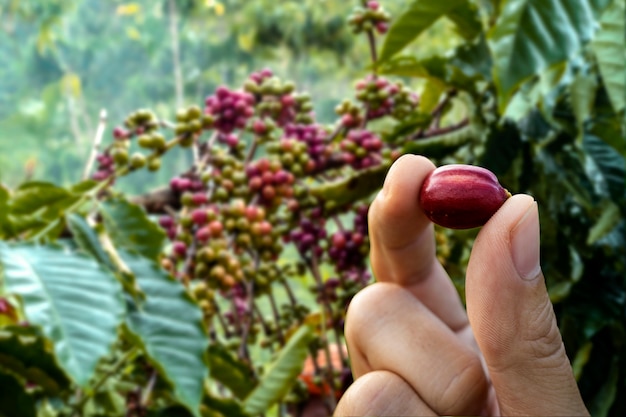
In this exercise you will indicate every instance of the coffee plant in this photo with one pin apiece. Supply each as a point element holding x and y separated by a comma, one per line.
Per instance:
<point>223,293</point>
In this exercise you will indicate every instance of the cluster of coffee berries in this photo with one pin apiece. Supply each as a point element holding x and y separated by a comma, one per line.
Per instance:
<point>226,178</point>
<point>315,138</point>
<point>263,129</point>
<point>250,229</point>
<point>370,17</point>
<point>376,93</point>
<point>143,125</point>
<point>205,297</point>
<point>269,181</point>
<point>308,236</point>
<point>190,122</point>
<point>348,248</point>
<point>350,114</point>
<point>106,166</point>
<point>137,123</point>
<point>405,101</point>
<point>293,155</point>
<point>361,149</point>
<point>230,109</point>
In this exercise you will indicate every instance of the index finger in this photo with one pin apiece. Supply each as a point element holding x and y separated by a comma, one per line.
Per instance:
<point>402,242</point>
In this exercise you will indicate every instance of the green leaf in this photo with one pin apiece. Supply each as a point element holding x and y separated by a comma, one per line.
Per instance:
<point>441,145</point>
<point>408,126</point>
<point>610,164</point>
<point>430,95</point>
<point>473,59</point>
<point>582,92</point>
<point>24,352</point>
<point>467,20</point>
<point>5,222</point>
<point>418,17</point>
<point>601,404</point>
<point>84,186</point>
<point>33,196</point>
<point>14,401</point>
<point>403,66</point>
<point>214,406</point>
<point>87,239</point>
<point>609,47</point>
<point>281,374</point>
<point>350,189</point>
<point>231,372</point>
<point>170,326</point>
<point>76,302</point>
<point>608,220</point>
<point>131,229</point>
<point>532,35</point>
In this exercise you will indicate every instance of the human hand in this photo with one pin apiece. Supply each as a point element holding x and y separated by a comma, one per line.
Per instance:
<point>415,350</point>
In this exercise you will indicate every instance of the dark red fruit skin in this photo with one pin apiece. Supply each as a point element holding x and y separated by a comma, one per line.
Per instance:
<point>461,196</point>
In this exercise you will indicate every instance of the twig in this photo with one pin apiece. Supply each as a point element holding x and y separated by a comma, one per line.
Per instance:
<point>97,140</point>
<point>439,131</point>
<point>147,393</point>
<point>374,55</point>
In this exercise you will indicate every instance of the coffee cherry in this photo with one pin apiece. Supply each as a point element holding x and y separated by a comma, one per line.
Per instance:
<point>179,249</point>
<point>137,160</point>
<point>461,196</point>
<point>230,109</point>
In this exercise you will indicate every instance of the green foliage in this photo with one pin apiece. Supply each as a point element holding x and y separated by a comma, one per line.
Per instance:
<point>609,47</point>
<point>65,294</point>
<point>417,18</point>
<point>130,228</point>
<point>525,38</point>
<point>169,325</point>
<point>532,90</point>
<point>26,355</point>
<point>281,373</point>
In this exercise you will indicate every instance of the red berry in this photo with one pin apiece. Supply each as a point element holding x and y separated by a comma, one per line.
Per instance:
<point>179,248</point>
<point>199,216</point>
<point>461,196</point>
<point>216,228</point>
<point>199,199</point>
<point>203,234</point>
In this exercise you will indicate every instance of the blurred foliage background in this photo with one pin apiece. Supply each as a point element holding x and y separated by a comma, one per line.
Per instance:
<point>558,135</point>
<point>66,60</point>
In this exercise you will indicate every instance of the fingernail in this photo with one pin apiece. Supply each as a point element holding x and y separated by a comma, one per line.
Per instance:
<point>525,244</point>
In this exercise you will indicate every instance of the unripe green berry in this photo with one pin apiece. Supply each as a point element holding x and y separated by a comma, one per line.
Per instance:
<point>154,164</point>
<point>137,160</point>
<point>194,112</point>
<point>119,155</point>
<point>145,141</point>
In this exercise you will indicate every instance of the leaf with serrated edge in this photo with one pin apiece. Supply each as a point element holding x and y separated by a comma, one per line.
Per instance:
<point>130,228</point>
<point>281,374</point>
<point>610,49</point>
<point>170,327</point>
<point>77,303</point>
<point>532,35</point>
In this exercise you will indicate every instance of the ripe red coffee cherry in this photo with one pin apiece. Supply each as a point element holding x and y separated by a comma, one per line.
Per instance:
<point>461,196</point>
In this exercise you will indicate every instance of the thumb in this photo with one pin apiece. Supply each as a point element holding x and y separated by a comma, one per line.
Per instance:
<point>512,317</point>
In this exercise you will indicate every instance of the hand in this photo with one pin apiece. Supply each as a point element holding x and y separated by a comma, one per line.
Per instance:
<point>415,350</point>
